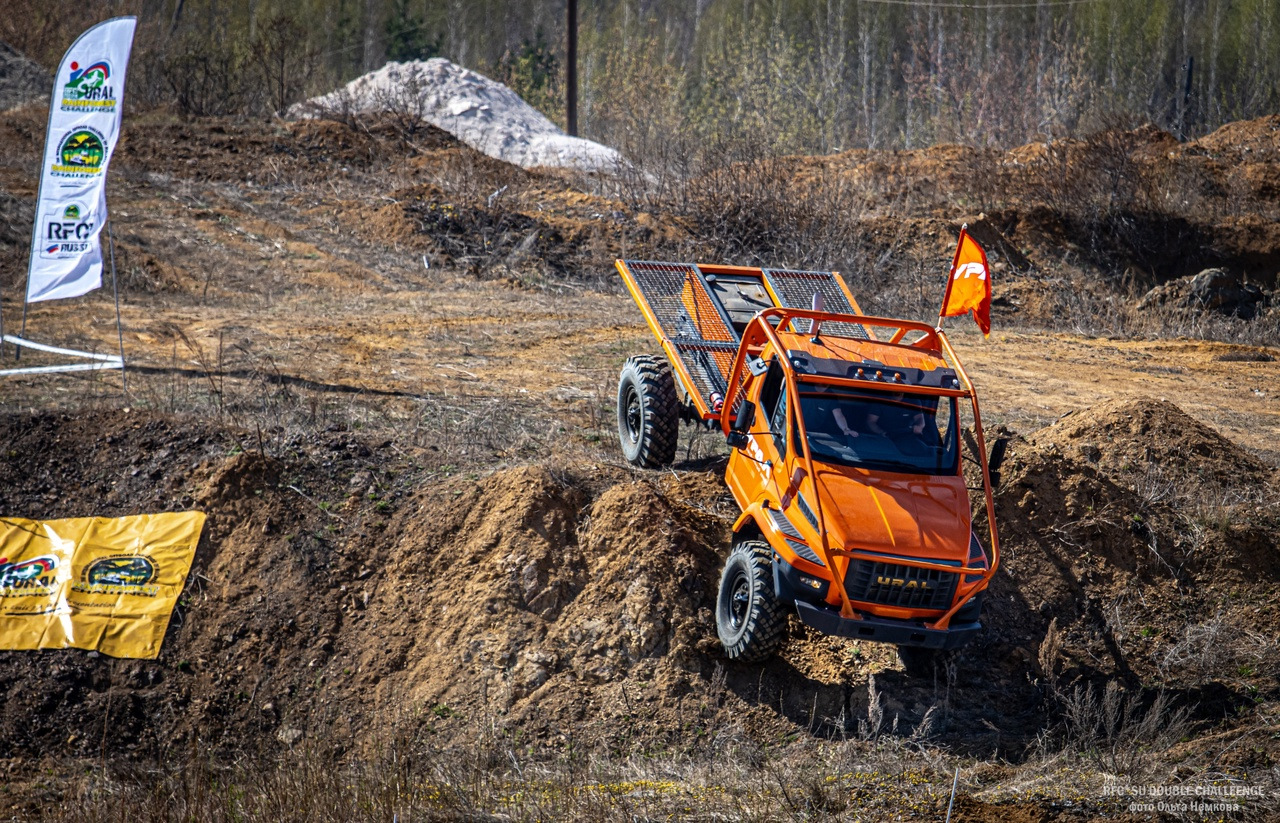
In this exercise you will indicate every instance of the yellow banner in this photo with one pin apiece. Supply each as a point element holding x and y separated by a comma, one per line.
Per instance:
<point>107,584</point>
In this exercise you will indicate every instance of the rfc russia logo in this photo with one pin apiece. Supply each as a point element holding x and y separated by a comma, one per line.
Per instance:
<point>89,89</point>
<point>68,232</point>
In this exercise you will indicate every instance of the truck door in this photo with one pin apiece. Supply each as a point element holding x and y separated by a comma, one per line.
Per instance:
<point>773,413</point>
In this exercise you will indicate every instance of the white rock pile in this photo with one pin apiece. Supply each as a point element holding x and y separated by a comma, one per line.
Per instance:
<point>480,112</point>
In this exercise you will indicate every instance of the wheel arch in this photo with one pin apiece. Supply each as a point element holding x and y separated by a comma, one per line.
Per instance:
<point>747,526</point>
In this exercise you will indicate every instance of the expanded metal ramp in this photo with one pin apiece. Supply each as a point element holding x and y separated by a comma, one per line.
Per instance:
<point>697,312</point>
<point>795,290</point>
<point>692,322</point>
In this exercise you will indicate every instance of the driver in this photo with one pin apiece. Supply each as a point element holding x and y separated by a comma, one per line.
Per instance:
<point>898,419</point>
<point>892,422</point>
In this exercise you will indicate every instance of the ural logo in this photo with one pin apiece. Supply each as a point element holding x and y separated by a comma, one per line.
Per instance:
<point>906,584</point>
<point>26,572</point>
<point>87,88</point>
<point>976,269</point>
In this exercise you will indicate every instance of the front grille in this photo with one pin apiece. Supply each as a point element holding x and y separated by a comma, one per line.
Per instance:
<point>889,584</point>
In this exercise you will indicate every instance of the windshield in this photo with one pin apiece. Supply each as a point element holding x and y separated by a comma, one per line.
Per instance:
<point>890,431</point>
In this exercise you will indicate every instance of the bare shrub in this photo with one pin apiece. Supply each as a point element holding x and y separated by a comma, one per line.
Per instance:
<point>1050,655</point>
<point>1219,649</point>
<point>404,98</point>
<point>208,76</point>
<point>284,60</point>
<point>1120,732</point>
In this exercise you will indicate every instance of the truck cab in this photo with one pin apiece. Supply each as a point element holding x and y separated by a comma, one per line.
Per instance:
<point>846,460</point>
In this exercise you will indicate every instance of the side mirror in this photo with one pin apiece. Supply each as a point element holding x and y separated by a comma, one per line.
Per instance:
<point>738,437</point>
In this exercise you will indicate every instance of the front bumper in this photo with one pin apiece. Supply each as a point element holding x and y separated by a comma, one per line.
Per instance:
<point>884,630</point>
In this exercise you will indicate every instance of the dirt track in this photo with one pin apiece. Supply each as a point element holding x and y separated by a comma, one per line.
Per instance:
<point>417,513</point>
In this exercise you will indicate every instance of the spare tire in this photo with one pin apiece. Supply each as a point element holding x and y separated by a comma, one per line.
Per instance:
<point>648,412</point>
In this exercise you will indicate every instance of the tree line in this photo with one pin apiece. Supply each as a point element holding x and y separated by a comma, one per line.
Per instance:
<point>665,77</point>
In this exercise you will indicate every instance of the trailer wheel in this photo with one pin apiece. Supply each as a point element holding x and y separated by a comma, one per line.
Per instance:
<point>648,412</point>
<point>749,618</point>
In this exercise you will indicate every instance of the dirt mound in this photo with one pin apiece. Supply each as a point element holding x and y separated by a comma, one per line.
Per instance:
<point>1138,532</point>
<point>1259,139</point>
<point>335,593</point>
<point>523,598</point>
<point>1130,440</point>
<point>483,113</point>
<point>1215,290</point>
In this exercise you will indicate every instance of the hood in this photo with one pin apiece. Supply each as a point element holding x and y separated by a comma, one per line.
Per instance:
<point>912,515</point>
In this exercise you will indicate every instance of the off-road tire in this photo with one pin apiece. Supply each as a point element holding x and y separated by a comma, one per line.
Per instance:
<point>648,412</point>
<point>749,618</point>
<point>921,663</point>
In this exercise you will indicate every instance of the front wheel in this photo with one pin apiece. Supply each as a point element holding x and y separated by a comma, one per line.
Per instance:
<point>749,617</point>
<point>648,412</point>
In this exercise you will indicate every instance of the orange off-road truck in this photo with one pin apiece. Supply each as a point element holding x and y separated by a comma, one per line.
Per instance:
<point>846,454</point>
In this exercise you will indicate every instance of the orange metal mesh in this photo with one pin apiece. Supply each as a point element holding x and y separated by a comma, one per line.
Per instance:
<point>795,290</point>
<point>690,320</point>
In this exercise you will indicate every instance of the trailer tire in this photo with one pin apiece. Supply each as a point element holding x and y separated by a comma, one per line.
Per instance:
<point>648,412</point>
<point>749,617</point>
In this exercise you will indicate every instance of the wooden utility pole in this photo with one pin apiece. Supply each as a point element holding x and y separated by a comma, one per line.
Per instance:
<point>571,69</point>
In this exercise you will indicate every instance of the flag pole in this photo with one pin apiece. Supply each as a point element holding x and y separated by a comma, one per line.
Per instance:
<point>115,289</point>
<point>955,258</point>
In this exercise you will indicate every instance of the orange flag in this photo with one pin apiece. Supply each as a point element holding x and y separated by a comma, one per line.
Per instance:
<point>969,286</point>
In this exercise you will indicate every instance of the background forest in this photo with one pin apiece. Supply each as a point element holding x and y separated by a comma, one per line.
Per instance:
<point>659,77</point>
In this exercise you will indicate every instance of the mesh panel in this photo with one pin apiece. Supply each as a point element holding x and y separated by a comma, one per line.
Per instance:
<point>796,289</point>
<point>691,320</point>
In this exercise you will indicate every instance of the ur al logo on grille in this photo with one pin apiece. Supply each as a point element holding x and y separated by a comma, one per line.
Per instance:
<point>898,581</point>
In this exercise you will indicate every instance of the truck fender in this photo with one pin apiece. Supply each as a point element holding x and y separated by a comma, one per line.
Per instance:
<point>747,526</point>
<point>748,523</point>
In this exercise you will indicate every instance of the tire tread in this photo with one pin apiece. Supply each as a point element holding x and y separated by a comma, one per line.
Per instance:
<point>767,623</point>
<point>657,388</point>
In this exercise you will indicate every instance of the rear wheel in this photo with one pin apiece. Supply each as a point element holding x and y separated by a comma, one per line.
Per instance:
<point>749,618</point>
<point>648,412</point>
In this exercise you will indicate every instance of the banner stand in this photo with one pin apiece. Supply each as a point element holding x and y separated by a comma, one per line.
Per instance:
<point>71,206</point>
<point>100,361</point>
<point>115,291</point>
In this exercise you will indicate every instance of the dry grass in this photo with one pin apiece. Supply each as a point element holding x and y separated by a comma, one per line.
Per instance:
<point>407,777</point>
